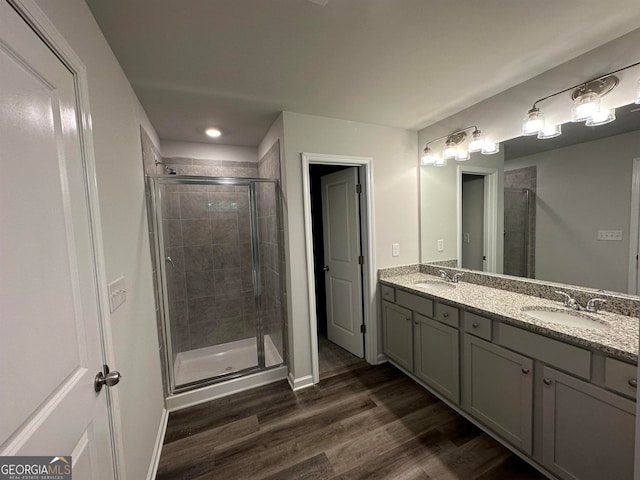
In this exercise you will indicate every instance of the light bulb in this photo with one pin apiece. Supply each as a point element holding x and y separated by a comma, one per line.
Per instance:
<point>427,157</point>
<point>490,148</point>
<point>477,141</point>
<point>450,151</point>
<point>638,92</point>
<point>585,106</point>
<point>533,122</point>
<point>550,131</point>
<point>462,156</point>
<point>601,117</point>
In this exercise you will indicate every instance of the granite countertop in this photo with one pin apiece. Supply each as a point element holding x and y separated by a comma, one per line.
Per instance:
<point>619,339</point>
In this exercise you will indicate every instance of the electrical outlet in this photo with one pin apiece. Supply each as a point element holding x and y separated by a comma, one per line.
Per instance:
<point>395,250</point>
<point>441,245</point>
<point>610,235</point>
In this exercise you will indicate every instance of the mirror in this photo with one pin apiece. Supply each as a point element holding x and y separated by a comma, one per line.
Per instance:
<point>566,211</point>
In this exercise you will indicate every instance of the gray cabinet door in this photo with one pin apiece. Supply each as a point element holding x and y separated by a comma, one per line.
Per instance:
<point>397,334</point>
<point>588,433</point>
<point>437,356</point>
<point>498,390</point>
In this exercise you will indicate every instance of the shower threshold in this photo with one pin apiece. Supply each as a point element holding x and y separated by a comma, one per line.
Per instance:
<point>211,362</point>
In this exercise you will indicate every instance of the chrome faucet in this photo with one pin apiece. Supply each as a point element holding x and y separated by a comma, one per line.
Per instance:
<point>569,301</point>
<point>572,303</point>
<point>445,276</point>
<point>591,304</point>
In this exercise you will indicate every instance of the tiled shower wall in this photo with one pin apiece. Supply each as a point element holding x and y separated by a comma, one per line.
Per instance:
<point>271,250</point>
<point>520,228</point>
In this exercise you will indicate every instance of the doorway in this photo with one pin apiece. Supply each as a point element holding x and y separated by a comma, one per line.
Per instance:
<point>481,245</point>
<point>340,267</point>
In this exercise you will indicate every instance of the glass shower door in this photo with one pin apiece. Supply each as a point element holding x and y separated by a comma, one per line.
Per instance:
<point>208,245</point>
<point>517,236</point>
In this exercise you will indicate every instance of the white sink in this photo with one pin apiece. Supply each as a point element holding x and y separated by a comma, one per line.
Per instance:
<point>567,318</point>
<point>435,285</point>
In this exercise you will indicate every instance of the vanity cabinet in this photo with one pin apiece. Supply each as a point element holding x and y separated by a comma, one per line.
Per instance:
<point>437,356</point>
<point>426,347</point>
<point>588,432</point>
<point>397,334</point>
<point>498,390</point>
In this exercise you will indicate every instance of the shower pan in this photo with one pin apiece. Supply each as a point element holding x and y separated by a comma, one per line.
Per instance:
<point>219,284</point>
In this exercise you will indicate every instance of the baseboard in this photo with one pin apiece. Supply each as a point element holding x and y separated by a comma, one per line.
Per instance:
<point>382,358</point>
<point>218,390</point>
<point>157,449</point>
<point>300,383</point>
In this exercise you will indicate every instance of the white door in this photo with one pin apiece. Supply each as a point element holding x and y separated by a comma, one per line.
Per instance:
<point>343,279</point>
<point>50,344</point>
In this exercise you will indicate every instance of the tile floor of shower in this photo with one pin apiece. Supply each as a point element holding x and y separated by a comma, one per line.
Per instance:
<point>211,362</point>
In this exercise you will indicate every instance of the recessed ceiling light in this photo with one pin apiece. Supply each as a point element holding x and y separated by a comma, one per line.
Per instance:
<point>213,132</point>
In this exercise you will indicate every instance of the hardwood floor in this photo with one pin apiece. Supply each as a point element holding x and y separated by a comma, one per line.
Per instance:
<point>364,422</point>
<point>334,360</point>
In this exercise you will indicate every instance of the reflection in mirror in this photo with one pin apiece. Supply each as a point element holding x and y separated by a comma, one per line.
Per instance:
<point>571,207</point>
<point>568,204</point>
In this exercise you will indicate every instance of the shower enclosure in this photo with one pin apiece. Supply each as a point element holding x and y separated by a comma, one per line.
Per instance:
<point>518,255</point>
<point>218,267</point>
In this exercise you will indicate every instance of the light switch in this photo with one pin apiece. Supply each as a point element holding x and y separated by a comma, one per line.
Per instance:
<point>610,235</point>
<point>441,245</point>
<point>117,293</point>
<point>395,250</point>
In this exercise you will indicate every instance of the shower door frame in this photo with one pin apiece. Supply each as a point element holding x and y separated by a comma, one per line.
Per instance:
<point>154,182</point>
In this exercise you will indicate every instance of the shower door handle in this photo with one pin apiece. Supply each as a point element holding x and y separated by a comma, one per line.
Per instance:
<point>170,260</point>
<point>326,269</point>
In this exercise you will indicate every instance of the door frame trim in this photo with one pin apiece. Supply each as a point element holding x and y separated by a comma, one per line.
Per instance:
<point>634,228</point>
<point>369,268</point>
<point>31,12</point>
<point>490,214</point>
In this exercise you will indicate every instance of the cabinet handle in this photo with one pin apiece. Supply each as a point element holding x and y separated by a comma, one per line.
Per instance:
<point>546,381</point>
<point>525,370</point>
<point>475,324</point>
<point>633,382</point>
<point>417,322</point>
<point>445,315</point>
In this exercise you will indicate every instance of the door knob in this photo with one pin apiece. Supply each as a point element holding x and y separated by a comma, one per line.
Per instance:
<point>326,269</point>
<point>110,379</point>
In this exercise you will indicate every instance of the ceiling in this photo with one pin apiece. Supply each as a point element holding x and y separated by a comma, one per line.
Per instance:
<point>235,64</point>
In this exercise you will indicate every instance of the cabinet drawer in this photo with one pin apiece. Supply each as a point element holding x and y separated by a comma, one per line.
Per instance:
<point>447,315</point>
<point>416,303</point>
<point>388,293</point>
<point>621,377</point>
<point>477,325</point>
<point>553,352</point>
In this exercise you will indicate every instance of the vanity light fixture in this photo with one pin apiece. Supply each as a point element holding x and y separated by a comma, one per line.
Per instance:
<point>454,149</point>
<point>586,107</point>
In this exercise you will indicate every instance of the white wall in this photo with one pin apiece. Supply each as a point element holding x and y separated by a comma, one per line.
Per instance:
<point>581,189</point>
<point>116,118</point>
<point>395,162</point>
<point>208,151</point>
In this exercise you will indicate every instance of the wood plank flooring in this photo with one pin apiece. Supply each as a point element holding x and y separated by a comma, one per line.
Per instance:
<point>363,422</point>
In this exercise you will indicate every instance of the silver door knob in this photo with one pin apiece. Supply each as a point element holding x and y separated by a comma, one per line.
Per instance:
<point>326,269</point>
<point>110,379</point>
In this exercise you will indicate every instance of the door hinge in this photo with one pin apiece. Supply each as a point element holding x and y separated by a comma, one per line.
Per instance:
<point>358,188</point>
<point>361,260</point>
<point>363,328</point>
